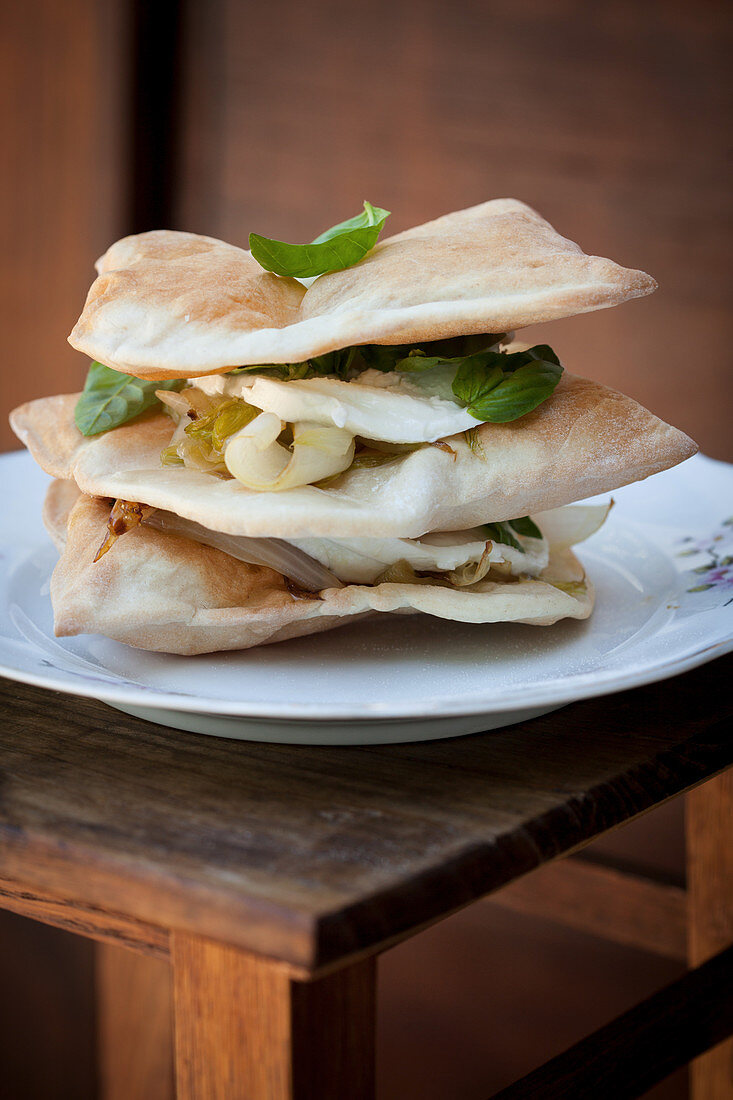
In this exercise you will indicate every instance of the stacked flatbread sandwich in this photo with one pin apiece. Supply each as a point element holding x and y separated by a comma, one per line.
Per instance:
<point>263,454</point>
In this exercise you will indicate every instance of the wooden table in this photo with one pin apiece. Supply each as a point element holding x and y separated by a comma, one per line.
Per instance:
<point>270,877</point>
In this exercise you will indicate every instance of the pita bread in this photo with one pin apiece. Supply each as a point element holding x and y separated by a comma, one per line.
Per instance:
<point>172,305</point>
<point>162,592</point>
<point>60,498</point>
<point>585,440</point>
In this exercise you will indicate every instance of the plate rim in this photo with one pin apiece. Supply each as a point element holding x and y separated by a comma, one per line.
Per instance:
<point>369,712</point>
<point>580,686</point>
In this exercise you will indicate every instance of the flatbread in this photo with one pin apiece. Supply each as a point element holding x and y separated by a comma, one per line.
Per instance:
<point>60,498</point>
<point>161,592</point>
<point>586,439</point>
<point>173,305</point>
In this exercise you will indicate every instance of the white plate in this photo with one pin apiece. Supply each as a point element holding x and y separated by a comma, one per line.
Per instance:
<point>663,570</point>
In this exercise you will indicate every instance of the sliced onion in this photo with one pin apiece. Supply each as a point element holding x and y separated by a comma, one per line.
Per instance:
<point>190,398</point>
<point>401,572</point>
<point>180,432</point>
<point>255,458</point>
<point>193,452</point>
<point>471,572</point>
<point>564,527</point>
<point>273,553</point>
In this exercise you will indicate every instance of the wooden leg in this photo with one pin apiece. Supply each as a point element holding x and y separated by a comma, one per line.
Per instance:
<point>134,1025</point>
<point>245,1030</point>
<point>710,886</point>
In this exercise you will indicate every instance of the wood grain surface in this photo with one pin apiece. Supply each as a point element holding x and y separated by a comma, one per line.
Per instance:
<point>102,925</point>
<point>314,855</point>
<point>246,1031</point>
<point>134,1025</point>
<point>710,885</point>
<point>621,907</point>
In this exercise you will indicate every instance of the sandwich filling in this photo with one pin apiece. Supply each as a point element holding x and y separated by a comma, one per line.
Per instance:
<point>279,426</point>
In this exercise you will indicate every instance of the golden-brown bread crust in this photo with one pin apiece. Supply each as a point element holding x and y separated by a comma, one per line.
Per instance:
<point>165,280</point>
<point>501,254</point>
<point>168,304</point>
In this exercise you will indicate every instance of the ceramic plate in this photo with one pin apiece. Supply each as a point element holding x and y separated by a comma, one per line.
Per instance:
<point>663,570</point>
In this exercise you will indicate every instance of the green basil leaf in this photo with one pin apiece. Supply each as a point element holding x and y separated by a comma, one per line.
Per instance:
<point>518,393</point>
<point>526,527</point>
<point>383,356</point>
<point>507,531</point>
<point>332,362</point>
<point>502,533</point>
<point>432,353</point>
<point>539,351</point>
<point>477,376</point>
<point>370,217</point>
<point>283,371</point>
<point>110,398</point>
<point>500,387</point>
<point>341,246</point>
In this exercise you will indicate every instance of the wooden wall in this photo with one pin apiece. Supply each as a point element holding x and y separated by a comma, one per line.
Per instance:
<point>64,69</point>
<point>609,117</point>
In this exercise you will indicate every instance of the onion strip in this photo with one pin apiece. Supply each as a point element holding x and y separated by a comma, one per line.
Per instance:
<point>273,553</point>
<point>567,526</point>
<point>254,456</point>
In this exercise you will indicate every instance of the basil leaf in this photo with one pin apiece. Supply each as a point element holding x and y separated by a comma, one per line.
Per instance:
<point>383,356</point>
<point>527,379</point>
<point>507,531</point>
<point>539,351</point>
<point>502,532</point>
<point>283,371</point>
<point>526,527</point>
<point>332,362</point>
<point>476,377</point>
<point>494,386</point>
<point>370,217</point>
<point>110,398</point>
<point>517,394</point>
<point>432,353</point>
<point>339,247</point>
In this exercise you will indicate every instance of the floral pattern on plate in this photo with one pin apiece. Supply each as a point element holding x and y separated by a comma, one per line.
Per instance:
<point>714,571</point>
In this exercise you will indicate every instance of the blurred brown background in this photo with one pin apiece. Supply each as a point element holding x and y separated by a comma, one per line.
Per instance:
<point>223,117</point>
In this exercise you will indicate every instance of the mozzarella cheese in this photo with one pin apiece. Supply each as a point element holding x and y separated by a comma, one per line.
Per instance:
<point>389,406</point>
<point>360,561</point>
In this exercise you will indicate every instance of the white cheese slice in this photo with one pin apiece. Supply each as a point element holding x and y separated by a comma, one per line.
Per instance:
<point>360,561</point>
<point>389,406</point>
<point>231,385</point>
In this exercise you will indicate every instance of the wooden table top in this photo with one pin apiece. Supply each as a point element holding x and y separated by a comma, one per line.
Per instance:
<point>315,855</point>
